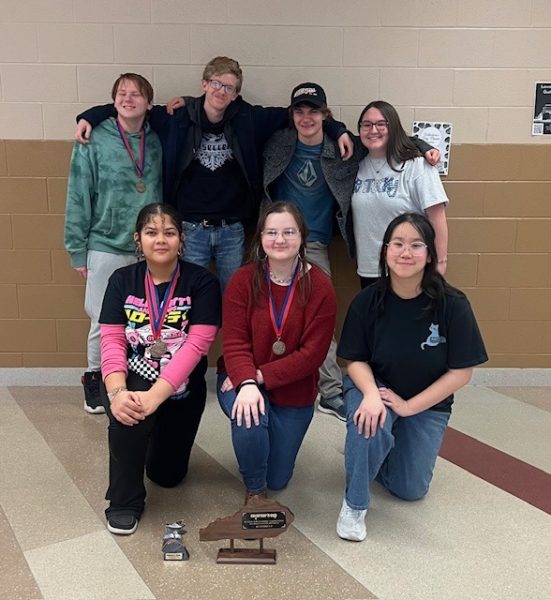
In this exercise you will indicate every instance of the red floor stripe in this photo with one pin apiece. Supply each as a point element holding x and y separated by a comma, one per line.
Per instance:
<point>498,468</point>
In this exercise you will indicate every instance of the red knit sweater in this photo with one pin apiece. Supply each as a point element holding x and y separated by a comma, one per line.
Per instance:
<point>248,335</point>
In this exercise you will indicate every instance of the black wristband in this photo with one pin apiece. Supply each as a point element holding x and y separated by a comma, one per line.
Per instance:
<point>238,388</point>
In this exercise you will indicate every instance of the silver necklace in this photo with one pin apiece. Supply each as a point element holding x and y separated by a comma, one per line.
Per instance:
<point>382,162</point>
<point>281,280</point>
<point>284,280</point>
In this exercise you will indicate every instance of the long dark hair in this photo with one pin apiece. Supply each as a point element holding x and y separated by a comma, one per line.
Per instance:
<point>399,147</point>
<point>258,256</point>
<point>433,284</point>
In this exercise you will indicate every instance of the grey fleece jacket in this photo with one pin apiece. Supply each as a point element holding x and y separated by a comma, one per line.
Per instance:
<point>339,174</point>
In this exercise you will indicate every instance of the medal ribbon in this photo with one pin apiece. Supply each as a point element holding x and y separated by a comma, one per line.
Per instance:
<point>278,320</point>
<point>138,164</point>
<point>157,310</point>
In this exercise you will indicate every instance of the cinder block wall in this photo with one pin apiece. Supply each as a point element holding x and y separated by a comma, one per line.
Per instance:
<point>471,62</point>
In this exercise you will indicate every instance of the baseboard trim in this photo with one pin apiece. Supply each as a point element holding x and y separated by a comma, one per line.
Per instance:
<point>71,377</point>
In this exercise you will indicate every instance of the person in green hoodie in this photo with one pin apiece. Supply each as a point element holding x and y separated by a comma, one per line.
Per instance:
<point>110,180</point>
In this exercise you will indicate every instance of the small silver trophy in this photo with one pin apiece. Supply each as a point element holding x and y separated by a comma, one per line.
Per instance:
<point>173,545</point>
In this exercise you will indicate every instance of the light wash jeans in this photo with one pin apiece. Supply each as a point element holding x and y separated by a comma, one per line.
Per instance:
<point>266,453</point>
<point>400,456</point>
<point>225,245</point>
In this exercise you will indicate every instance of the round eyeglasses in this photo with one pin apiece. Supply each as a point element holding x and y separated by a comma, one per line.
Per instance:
<point>397,247</point>
<point>286,234</point>
<point>218,85</point>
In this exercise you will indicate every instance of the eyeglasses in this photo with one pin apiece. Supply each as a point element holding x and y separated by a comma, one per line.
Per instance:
<point>287,234</point>
<point>379,125</point>
<point>218,85</point>
<point>396,247</point>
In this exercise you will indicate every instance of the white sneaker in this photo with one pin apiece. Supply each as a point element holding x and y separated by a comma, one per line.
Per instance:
<point>351,523</point>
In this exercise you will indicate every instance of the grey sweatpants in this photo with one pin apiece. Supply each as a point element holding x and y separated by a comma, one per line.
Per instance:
<point>100,267</point>
<point>330,372</point>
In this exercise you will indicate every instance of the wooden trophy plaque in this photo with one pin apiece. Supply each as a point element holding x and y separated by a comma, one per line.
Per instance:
<point>259,518</point>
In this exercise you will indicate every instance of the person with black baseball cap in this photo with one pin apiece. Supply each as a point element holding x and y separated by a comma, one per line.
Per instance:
<point>303,165</point>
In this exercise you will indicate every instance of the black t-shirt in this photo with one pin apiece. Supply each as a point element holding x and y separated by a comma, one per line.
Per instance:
<point>196,301</point>
<point>213,186</point>
<point>409,349</point>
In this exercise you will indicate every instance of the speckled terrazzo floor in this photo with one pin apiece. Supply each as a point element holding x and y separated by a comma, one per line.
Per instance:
<point>472,537</point>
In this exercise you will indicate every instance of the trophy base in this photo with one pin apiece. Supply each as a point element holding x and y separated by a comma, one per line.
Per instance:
<point>246,556</point>
<point>183,555</point>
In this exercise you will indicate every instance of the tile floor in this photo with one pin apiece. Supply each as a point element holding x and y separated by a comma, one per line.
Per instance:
<point>470,538</point>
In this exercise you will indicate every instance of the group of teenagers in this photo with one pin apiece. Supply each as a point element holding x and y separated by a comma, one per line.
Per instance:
<point>157,193</point>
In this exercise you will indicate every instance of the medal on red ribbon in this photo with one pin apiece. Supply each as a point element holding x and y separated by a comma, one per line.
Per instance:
<point>157,310</point>
<point>279,319</point>
<point>138,164</point>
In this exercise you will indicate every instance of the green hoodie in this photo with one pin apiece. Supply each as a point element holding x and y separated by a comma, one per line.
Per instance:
<point>102,200</point>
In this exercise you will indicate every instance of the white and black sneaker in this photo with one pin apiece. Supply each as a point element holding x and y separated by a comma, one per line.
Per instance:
<point>122,524</point>
<point>92,398</point>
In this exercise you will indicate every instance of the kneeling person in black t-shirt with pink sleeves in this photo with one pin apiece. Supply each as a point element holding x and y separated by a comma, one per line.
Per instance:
<point>158,320</point>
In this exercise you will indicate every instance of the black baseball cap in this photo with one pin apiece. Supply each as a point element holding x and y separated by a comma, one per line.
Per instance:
<point>308,93</point>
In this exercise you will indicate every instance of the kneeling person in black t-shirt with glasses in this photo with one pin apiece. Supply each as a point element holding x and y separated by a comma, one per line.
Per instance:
<point>411,341</point>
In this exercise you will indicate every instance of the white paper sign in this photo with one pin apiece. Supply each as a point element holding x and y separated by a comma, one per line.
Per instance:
<point>438,135</point>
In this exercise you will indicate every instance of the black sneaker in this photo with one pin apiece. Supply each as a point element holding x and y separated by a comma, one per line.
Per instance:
<point>333,406</point>
<point>92,399</point>
<point>122,524</point>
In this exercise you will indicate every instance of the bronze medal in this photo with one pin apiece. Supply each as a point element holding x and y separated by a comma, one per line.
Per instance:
<point>140,186</point>
<point>278,347</point>
<point>158,349</point>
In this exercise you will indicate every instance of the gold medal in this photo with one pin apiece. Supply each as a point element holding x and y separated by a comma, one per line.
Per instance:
<point>278,347</point>
<point>140,186</point>
<point>158,349</point>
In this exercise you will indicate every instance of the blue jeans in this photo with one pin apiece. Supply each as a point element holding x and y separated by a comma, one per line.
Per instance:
<point>400,456</point>
<point>266,453</point>
<point>225,245</point>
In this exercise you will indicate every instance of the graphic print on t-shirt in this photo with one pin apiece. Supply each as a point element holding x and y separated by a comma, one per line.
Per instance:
<point>434,337</point>
<point>214,151</point>
<point>307,174</point>
<point>384,185</point>
<point>139,334</point>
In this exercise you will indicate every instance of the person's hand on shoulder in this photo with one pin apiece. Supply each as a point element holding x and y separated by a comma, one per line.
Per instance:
<point>175,103</point>
<point>433,156</point>
<point>83,131</point>
<point>346,146</point>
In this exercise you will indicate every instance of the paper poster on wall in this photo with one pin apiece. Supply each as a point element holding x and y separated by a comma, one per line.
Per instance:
<point>541,125</point>
<point>438,135</point>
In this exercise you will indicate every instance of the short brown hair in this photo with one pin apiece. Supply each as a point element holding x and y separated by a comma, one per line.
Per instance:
<point>146,90</point>
<point>220,65</point>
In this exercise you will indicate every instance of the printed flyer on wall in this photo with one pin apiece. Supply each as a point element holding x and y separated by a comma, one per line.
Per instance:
<point>541,125</point>
<point>438,135</point>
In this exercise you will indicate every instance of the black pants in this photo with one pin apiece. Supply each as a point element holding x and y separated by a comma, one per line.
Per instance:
<point>161,443</point>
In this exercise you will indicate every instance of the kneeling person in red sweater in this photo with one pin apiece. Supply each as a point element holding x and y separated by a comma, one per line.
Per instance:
<point>278,318</point>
